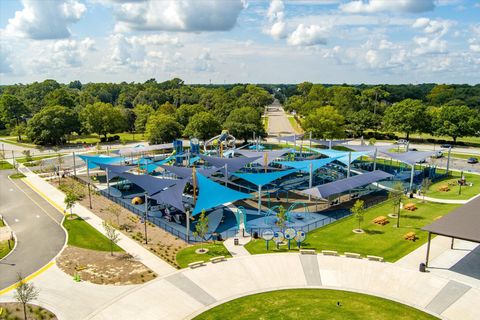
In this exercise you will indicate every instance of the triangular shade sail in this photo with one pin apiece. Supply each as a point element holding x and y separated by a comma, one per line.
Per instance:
<point>233,164</point>
<point>328,143</point>
<point>329,152</point>
<point>261,179</point>
<point>183,172</point>
<point>410,157</point>
<point>342,156</point>
<point>368,148</point>
<point>148,183</point>
<point>114,170</point>
<point>142,148</point>
<point>213,194</point>
<point>339,186</point>
<point>94,161</point>
<point>271,155</point>
<point>293,138</point>
<point>305,165</point>
<point>173,195</point>
<point>354,156</point>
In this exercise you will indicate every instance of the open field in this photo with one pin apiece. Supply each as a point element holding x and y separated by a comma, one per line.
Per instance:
<point>456,192</point>
<point>188,255</point>
<point>313,304</point>
<point>385,241</point>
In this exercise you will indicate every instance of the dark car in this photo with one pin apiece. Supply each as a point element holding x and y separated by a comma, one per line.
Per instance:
<point>413,149</point>
<point>472,160</point>
<point>446,146</point>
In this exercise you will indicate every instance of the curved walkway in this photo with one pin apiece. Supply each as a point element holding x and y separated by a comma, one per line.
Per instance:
<point>36,225</point>
<point>188,292</point>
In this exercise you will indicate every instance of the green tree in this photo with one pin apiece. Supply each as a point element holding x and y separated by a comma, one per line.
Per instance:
<point>281,218</point>
<point>201,228</point>
<point>440,94</point>
<point>304,88</point>
<point>12,111</point>
<point>186,111</point>
<point>70,199</point>
<point>407,116</point>
<point>167,108</point>
<point>52,125</point>
<point>202,126</point>
<point>25,293</point>
<point>358,211</point>
<point>395,197</point>
<point>102,118</point>
<point>456,121</point>
<point>371,98</point>
<point>142,113</point>
<point>362,120</point>
<point>325,122</point>
<point>60,97</point>
<point>243,122</point>
<point>112,235</point>
<point>425,185</point>
<point>161,128</point>
<point>344,99</point>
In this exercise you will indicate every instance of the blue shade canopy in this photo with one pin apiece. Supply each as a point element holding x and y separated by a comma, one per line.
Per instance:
<point>410,157</point>
<point>148,183</point>
<point>94,161</point>
<point>329,152</point>
<point>339,186</point>
<point>184,173</point>
<point>271,155</point>
<point>368,148</point>
<point>213,194</point>
<point>173,195</point>
<point>305,165</point>
<point>293,138</point>
<point>142,148</point>
<point>255,147</point>
<point>354,156</point>
<point>261,179</point>
<point>114,170</point>
<point>233,164</point>
<point>193,160</point>
<point>328,143</point>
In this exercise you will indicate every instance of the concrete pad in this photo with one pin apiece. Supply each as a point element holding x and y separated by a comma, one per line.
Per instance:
<point>447,296</point>
<point>190,288</point>
<point>466,307</point>
<point>311,270</point>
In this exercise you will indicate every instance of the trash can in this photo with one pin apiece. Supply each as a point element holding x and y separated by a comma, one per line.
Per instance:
<point>219,237</point>
<point>235,241</point>
<point>422,267</point>
<point>255,235</point>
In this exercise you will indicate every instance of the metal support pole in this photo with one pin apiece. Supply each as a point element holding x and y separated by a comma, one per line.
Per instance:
<point>310,180</point>
<point>375,160</point>
<point>259,198</point>
<point>226,174</point>
<point>428,249</point>
<point>13,157</point>
<point>108,182</point>
<point>310,140</point>
<point>187,227</point>
<point>451,244</point>
<point>448,160</point>
<point>330,144</point>
<point>74,165</point>
<point>349,163</point>
<point>412,173</point>
<point>89,195</point>
<point>88,173</point>
<point>145,217</point>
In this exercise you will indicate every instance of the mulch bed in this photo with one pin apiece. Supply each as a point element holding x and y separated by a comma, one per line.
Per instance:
<point>14,311</point>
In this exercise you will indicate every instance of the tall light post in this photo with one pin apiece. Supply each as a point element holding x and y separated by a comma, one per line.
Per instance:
<point>187,222</point>
<point>145,218</point>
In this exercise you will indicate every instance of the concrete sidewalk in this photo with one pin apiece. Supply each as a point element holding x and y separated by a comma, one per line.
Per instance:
<point>188,292</point>
<point>56,198</point>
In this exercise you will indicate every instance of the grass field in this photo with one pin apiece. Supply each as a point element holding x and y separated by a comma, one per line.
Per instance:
<point>83,235</point>
<point>466,191</point>
<point>5,248</point>
<point>13,140</point>
<point>188,255</point>
<point>93,138</point>
<point>37,158</point>
<point>17,175</point>
<point>384,241</point>
<point>463,155</point>
<point>4,165</point>
<point>309,304</point>
<point>295,125</point>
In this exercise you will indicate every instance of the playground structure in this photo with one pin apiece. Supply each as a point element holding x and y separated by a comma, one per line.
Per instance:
<point>180,183</point>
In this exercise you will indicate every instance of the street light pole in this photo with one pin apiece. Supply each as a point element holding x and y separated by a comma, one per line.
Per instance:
<point>187,213</point>
<point>145,218</point>
<point>89,195</point>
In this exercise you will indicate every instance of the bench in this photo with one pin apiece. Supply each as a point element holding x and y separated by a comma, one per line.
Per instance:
<point>217,259</point>
<point>195,264</point>
<point>329,253</point>
<point>307,251</point>
<point>352,255</point>
<point>375,258</point>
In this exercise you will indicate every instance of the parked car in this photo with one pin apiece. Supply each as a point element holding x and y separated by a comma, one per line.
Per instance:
<point>472,160</point>
<point>402,141</point>
<point>437,154</point>
<point>446,146</point>
<point>413,149</point>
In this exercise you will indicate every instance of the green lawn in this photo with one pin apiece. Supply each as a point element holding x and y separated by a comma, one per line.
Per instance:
<point>295,125</point>
<point>37,158</point>
<point>462,155</point>
<point>312,304</point>
<point>4,248</point>
<point>384,241</point>
<point>466,191</point>
<point>188,255</point>
<point>17,175</point>
<point>83,235</point>
<point>265,123</point>
<point>13,140</point>
<point>93,138</point>
<point>4,165</point>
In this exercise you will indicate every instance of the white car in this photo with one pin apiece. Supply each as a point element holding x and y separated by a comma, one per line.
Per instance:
<point>437,154</point>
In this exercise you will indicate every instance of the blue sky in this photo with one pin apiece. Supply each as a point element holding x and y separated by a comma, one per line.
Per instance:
<point>226,41</point>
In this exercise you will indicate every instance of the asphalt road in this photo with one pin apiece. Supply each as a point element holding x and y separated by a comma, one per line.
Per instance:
<point>278,123</point>
<point>36,224</point>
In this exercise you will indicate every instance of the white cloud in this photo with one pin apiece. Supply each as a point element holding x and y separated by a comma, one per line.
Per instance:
<point>275,14</point>
<point>429,45</point>
<point>47,19</point>
<point>178,15</point>
<point>372,6</point>
<point>5,64</point>
<point>433,27</point>
<point>307,36</point>
<point>204,62</point>
<point>474,41</point>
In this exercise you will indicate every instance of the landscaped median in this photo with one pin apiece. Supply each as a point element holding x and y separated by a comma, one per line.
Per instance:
<point>189,254</point>
<point>5,245</point>
<point>385,241</point>
<point>91,256</point>
<point>313,304</point>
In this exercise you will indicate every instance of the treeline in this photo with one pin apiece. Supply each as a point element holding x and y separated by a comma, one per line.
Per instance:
<point>49,113</point>
<point>337,111</point>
